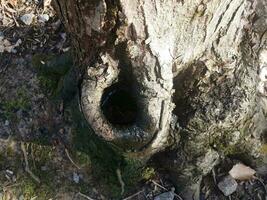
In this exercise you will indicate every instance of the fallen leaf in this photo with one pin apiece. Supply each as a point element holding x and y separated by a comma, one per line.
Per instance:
<point>46,3</point>
<point>242,172</point>
<point>13,2</point>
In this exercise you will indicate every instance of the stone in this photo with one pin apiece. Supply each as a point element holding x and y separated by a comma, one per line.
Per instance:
<point>6,123</point>
<point>76,177</point>
<point>44,168</point>
<point>27,18</point>
<point>43,18</point>
<point>227,185</point>
<point>165,196</point>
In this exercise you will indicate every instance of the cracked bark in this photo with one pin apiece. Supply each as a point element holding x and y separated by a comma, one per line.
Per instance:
<point>193,68</point>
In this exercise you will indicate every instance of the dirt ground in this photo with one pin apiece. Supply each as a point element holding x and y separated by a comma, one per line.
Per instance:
<point>47,150</point>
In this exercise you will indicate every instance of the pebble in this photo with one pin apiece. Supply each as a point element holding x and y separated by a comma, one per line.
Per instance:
<point>6,123</point>
<point>76,177</point>
<point>165,196</point>
<point>27,18</point>
<point>227,185</point>
<point>44,168</point>
<point>43,18</point>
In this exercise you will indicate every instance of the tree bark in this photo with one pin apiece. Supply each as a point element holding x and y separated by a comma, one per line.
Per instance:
<point>196,69</point>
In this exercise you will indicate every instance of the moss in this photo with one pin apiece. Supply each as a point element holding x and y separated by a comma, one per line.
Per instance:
<point>21,102</point>
<point>105,159</point>
<point>51,71</point>
<point>30,188</point>
<point>263,149</point>
<point>82,158</point>
<point>148,173</point>
<point>221,143</point>
<point>135,171</point>
<point>41,154</point>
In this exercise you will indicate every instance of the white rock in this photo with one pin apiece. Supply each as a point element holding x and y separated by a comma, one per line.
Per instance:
<point>165,196</point>
<point>6,123</point>
<point>75,177</point>
<point>242,172</point>
<point>227,185</point>
<point>27,18</point>
<point>263,74</point>
<point>43,18</point>
<point>263,56</point>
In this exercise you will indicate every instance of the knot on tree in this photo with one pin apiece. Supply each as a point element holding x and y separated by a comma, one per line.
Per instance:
<point>128,105</point>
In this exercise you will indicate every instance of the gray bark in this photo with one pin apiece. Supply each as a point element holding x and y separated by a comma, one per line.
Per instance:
<point>197,70</point>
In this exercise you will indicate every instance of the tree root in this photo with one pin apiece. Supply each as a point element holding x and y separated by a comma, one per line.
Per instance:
<point>68,155</point>
<point>27,168</point>
<point>118,171</point>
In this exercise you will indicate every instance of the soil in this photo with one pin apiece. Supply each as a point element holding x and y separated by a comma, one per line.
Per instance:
<point>39,109</point>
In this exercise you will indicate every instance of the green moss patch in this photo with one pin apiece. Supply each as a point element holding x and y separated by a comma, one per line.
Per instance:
<point>54,73</point>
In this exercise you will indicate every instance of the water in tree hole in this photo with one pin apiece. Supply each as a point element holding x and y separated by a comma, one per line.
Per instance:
<point>119,106</point>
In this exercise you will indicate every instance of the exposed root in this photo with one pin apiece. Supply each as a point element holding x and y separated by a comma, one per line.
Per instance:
<point>134,195</point>
<point>27,168</point>
<point>118,171</point>
<point>68,155</point>
<point>84,196</point>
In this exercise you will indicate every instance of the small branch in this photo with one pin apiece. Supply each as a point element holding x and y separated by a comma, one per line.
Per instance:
<point>68,155</point>
<point>27,168</point>
<point>118,171</point>
<point>162,187</point>
<point>84,196</point>
<point>137,193</point>
<point>214,176</point>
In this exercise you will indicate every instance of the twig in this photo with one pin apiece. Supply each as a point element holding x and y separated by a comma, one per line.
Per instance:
<point>27,169</point>
<point>17,24</point>
<point>118,171</point>
<point>155,183</point>
<point>135,194</point>
<point>84,196</point>
<point>9,186</point>
<point>214,176</point>
<point>68,155</point>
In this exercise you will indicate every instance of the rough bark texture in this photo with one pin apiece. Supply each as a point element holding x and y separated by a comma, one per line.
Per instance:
<point>192,66</point>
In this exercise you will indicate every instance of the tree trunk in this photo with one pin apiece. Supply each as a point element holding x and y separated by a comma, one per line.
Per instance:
<point>193,73</point>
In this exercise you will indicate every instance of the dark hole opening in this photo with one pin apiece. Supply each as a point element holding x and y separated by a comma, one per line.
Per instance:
<point>118,105</point>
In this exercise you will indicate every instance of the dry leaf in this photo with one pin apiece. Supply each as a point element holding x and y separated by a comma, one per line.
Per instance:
<point>13,2</point>
<point>46,3</point>
<point>242,172</point>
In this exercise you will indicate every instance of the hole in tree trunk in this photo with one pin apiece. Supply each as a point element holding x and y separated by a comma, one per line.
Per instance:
<point>118,105</point>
